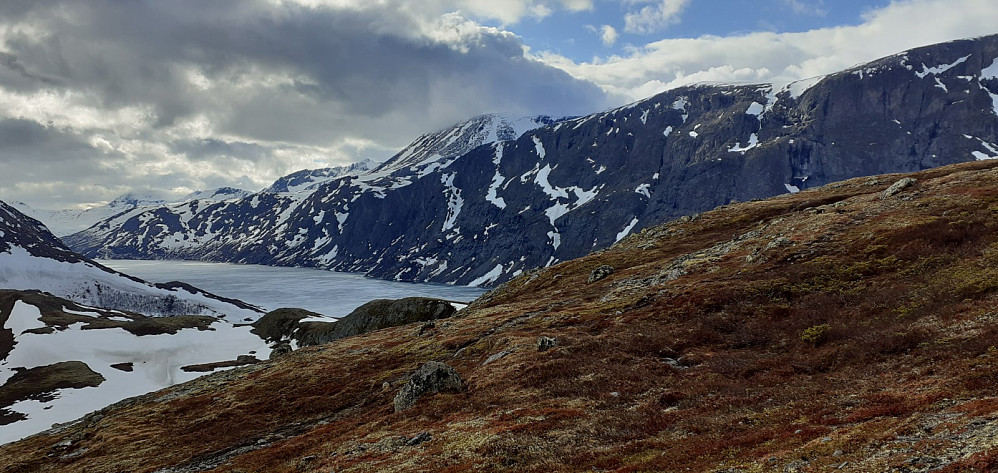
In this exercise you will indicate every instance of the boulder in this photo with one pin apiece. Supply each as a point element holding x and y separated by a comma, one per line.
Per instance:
<point>375,315</point>
<point>433,377</point>
<point>546,343</point>
<point>280,324</point>
<point>898,186</point>
<point>600,273</point>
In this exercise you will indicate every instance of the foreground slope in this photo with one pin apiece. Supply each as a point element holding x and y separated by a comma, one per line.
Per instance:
<point>850,326</point>
<point>483,215</point>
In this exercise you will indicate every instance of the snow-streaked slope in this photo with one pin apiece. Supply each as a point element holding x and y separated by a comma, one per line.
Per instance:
<point>31,258</point>
<point>156,360</point>
<point>461,138</point>
<point>216,195</point>
<point>309,179</point>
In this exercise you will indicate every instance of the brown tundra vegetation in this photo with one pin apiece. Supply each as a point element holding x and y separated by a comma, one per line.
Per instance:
<point>844,328</point>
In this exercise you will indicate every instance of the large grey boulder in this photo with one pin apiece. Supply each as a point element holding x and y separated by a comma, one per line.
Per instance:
<point>433,377</point>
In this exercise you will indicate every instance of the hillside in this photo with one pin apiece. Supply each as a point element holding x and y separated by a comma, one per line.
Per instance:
<point>32,258</point>
<point>847,327</point>
<point>448,210</point>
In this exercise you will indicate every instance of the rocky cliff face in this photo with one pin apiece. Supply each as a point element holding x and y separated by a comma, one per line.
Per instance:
<point>481,216</point>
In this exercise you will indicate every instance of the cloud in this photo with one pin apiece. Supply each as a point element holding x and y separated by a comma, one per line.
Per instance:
<point>768,57</point>
<point>199,94</point>
<point>802,7</point>
<point>654,17</point>
<point>608,35</point>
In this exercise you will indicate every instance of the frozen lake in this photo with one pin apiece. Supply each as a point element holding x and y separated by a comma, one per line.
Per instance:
<point>325,292</point>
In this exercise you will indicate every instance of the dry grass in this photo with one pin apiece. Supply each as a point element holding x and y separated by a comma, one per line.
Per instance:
<point>705,371</point>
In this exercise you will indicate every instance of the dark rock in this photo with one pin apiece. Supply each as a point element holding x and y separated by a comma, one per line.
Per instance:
<point>419,438</point>
<point>546,343</point>
<point>375,315</point>
<point>280,324</point>
<point>39,383</point>
<point>280,349</point>
<point>433,377</point>
<point>600,273</point>
<point>123,366</point>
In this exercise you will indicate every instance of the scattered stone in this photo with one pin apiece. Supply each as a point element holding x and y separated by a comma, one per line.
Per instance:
<point>426,328</point>
<point>280,349</point>
<point>433,377</point>
<point>241,360</point>
<point>898,186</point>
<point>546,343</point>
<point>600,273</point>
<point>777,243</point>
<point>496,356</point>
<point>419,438</point>
<point>838,453</point>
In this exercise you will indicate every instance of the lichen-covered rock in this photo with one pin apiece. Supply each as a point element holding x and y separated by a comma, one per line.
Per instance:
<point>600,273</point>
<point>898,186</point>
<point>546,343</point>
<point>433,377</point>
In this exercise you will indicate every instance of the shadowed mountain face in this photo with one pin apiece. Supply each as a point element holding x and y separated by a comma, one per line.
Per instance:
<point>481,215</point>
<point>849,327</point>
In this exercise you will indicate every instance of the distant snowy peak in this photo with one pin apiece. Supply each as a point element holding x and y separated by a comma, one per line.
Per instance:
<point>309,179</point>
<point>69,221</point>
<point>217,195</point>
<point>133,199</point>
<point>463,137</point>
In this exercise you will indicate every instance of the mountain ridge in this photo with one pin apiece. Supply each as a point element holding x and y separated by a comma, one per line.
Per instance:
<point>563,190</point>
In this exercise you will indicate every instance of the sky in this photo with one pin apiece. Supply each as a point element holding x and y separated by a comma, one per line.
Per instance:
<point>103,97</point>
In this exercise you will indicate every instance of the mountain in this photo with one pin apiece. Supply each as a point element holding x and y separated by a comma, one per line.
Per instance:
<point>426,152</point>
<point>849,328</point>
<point>31,258</point>
<point>309,179</point>
<point>68,221</point>
<point>481,215</point>
<point>215,195</point>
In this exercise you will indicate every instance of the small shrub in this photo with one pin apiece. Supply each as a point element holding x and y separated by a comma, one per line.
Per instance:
<point>815,335</point>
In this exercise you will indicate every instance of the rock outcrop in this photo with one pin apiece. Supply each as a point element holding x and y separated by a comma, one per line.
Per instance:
<point>432,378</point>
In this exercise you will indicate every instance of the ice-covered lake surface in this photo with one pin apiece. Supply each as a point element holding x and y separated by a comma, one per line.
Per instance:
<point>325,292</point>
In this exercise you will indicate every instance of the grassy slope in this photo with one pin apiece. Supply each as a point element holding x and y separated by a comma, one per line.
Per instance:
<point>900,371</point>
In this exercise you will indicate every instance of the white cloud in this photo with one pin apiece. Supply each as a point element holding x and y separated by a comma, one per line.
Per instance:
<point>766,56</point>
<point>803,7</point>
<point>608,35</point>
<point>654,17</point>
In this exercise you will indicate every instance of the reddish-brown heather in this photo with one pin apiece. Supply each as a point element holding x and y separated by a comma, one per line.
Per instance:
<point>830,329</point>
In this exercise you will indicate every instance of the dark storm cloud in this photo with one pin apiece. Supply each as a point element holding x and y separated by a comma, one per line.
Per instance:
<point>223,80</point>
<point>367,63</point>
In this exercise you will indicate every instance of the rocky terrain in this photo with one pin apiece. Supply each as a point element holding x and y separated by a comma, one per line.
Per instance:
<point>850,327</point>
<point>489,199</point>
